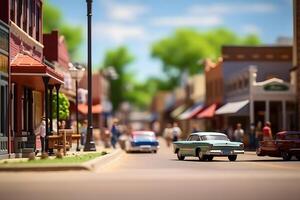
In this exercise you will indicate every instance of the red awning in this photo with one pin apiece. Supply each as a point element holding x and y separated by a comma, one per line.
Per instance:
<point>29,71</point>
<point>191,112</point>
<point>96,109</point>
<point>208,112</point>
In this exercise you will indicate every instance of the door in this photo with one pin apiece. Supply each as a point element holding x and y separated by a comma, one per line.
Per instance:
<point>3,115</point>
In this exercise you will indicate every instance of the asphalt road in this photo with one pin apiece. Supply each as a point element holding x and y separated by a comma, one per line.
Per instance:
<point>161,176</point>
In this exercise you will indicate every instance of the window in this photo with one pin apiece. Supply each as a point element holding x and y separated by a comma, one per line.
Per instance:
<point>30,16</point>
<point>12,10</point>
<point>19,12</point>
<point>3,108</point>
<point>37,22</point>
<point>25,15</point>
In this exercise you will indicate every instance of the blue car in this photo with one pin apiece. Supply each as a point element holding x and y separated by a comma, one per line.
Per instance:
<point>142,141</point>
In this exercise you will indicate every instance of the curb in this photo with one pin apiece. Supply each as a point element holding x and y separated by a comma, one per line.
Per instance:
<point>103,160</point>
<point>87,166</point>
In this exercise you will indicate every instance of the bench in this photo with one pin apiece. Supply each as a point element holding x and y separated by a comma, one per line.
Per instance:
<point>63,140</point>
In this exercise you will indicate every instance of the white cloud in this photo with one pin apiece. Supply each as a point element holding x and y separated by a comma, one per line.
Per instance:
<point>187,21</point>
<point>222,9</point>
<point>118,33</point>
<point>251,29</point>
<point>124,12</point>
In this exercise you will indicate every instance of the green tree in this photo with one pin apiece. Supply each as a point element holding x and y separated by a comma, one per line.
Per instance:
<point>119,58</point>
<point>53,20</point>
<point>182,50</point>
<point>63,106</point>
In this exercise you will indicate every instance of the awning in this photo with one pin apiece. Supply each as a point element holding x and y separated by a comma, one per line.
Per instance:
<point>191,112</point>
<point>232,107</point>
<point>28,71</point>
<point>208,112</point>
<point>96,109</point>
<point>177,111</point>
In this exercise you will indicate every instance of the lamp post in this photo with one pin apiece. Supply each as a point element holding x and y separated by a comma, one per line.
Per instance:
<point>77,73</point>
<point>89,144</point>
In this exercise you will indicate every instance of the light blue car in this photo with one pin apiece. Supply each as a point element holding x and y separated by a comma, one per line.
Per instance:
<point>207,145</point>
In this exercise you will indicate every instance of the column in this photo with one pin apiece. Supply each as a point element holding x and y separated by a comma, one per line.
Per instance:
<point>57,87</point>
<point>46,82</point>
<point>284,115</point>
<point>50,107</point>
<point>251,110</point>
<point>267,113</point>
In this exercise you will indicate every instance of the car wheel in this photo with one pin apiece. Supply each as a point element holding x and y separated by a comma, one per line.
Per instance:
<point>179,156</point>
<point>201,156</point>
<point>232,157</point>
<point>154,151</point>
<point>210,158</point>
<point>286,156</point>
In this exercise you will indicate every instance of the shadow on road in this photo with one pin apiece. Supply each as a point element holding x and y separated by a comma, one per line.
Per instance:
<point>240,161</point>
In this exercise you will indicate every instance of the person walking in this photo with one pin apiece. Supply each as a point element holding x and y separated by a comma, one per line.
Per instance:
<point>40,136</point>
<point>176,132</point>
<point>168,134</point>
<point>239,133</point>
<point>258,133</point>
<point>115,133</point>
<point>267,131</point>
<point>83,132</point>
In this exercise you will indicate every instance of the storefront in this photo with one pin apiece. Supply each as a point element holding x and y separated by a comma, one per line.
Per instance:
<point>4,66</point>
<point>252,102</point>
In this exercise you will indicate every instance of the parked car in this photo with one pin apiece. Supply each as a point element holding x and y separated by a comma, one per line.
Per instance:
<point>142,141</point>
<point>285,145</point>
<point>207,145</point>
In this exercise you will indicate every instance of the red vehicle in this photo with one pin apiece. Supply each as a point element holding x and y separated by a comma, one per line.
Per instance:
<point>286,145</point>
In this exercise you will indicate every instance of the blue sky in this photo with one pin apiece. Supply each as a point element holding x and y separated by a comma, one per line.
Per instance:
<point>137,23</point>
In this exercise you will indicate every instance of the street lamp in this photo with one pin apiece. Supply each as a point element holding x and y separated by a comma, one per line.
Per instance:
<point>77,73</point>
<point>89,144</point>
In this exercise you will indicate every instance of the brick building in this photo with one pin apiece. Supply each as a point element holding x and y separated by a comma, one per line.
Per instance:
<point>29,76</point>
<point>296,49</point>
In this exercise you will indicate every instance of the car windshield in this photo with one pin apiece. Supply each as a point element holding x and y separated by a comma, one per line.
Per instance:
<point>143,137</point>
<point>214,137</point>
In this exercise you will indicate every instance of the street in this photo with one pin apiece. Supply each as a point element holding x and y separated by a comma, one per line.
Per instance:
<point>162,176</point>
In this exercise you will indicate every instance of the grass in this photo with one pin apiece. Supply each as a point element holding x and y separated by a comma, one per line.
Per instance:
<point>68,160</point>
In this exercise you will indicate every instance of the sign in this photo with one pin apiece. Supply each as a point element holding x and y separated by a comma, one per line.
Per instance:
<point>276,87</point>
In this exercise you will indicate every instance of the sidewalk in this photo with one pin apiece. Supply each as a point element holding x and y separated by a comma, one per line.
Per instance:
<point>89,165</point>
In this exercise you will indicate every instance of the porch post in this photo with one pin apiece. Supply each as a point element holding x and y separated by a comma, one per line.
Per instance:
<point>46,82</point>
<point>284,115</point>
<point>57,87</point>
<point>50,107</point>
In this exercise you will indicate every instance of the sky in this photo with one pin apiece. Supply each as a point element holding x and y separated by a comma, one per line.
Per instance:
<point>138,23</point>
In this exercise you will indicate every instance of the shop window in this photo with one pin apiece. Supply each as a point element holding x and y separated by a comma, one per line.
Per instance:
<point>3,64</point>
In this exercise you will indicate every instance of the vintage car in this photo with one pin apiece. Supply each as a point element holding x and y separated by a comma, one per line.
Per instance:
<point>142,141</point>
<point>207,145</point>
<point>285,145</point>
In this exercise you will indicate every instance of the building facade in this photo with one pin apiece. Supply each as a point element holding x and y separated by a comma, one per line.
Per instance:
<point>28,76</point>
<point>257,80</point>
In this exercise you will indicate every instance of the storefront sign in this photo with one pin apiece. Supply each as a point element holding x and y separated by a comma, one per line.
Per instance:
<point>276,87</point>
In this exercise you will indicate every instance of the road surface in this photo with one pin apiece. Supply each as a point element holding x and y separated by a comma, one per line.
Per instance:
<point>161,176</point>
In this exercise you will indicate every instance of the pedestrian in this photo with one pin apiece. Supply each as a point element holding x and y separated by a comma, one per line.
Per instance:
<point>83,132</point>
<point>168,134</point>
<point>252,135</point>
<point>267,131</point>
<point>258,133</point>
<point>195,129</point>
<point>40,136</point>
<point>238,133</point>
<point>115,133</point>
<point>176,132</point>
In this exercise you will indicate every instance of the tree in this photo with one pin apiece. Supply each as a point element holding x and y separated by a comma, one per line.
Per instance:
<point>119,58</point>
<point>181,51</point>
<point>53,20</point>
<point>63,106</point>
